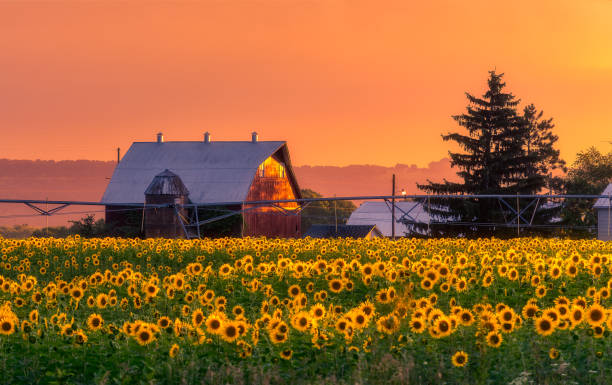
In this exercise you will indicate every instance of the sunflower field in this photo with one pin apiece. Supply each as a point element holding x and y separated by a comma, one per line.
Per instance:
<point>256,310</point>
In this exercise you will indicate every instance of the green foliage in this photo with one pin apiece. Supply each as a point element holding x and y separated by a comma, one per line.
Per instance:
<point>590,174</point>
<point>324,212</point>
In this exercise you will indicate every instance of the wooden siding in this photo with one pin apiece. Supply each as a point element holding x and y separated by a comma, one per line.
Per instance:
<point>604,229</point>
<point>271,183</point>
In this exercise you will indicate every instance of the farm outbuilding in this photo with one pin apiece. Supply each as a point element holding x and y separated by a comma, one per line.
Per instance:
<point>206,172</point>
<point>604,211</point>
<point>379,213</point>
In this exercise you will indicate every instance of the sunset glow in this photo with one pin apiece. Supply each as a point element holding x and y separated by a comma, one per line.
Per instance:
<point>344,82</point>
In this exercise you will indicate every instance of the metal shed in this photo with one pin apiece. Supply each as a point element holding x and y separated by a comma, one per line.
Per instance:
<point>604,212</point>
<point>379,213</point>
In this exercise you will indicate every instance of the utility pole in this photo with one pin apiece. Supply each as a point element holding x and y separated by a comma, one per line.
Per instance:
<point>393,208</point>
<point>118,155</point>
<point>335,216</point>
<point>47,217</point>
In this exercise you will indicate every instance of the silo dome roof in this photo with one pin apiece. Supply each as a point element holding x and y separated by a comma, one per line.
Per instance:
<point>166,183</point>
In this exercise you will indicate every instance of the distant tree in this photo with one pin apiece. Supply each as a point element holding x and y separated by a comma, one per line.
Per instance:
<point>590,174</point>
<point>323,213</point>
<point>504,153</point>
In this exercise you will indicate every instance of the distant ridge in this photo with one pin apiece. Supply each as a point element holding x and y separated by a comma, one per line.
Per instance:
<point>87,179</point>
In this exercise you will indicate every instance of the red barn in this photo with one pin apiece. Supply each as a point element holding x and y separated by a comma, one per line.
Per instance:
<point>211,172</point>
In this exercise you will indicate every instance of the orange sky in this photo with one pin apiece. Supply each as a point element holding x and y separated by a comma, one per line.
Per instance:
<point>344,82</point>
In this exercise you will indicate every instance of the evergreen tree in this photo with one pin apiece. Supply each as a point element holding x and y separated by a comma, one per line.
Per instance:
<point>504,153</point>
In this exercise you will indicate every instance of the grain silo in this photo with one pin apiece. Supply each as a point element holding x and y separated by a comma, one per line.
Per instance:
<point>165,188</point>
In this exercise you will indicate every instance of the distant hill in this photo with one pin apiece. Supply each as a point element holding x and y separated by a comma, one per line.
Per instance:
<point>86,180</point>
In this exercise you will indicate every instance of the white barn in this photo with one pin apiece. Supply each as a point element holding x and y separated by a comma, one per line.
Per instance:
<point>604,211</point>
<point>379,213</point>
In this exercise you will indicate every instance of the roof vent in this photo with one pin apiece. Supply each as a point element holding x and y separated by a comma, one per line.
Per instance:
<point>160,138</point>
<point>207,137</point>
<point>254,137</point>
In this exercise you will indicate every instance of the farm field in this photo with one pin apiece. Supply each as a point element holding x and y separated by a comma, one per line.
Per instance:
<point>258,310</point>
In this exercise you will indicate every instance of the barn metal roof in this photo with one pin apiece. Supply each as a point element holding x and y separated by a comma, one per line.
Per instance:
<point>379,213</point>
<point>212,172</point>
<point>604,202</point>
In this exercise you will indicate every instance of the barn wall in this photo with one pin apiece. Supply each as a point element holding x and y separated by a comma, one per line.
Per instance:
<point>602,225</point>
<point>271,183</point>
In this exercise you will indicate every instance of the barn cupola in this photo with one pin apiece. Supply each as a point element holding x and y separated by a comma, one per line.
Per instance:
<point>207,137</point>
<point>160,137</point>
<point>254,137</point>
<point>166,188</point>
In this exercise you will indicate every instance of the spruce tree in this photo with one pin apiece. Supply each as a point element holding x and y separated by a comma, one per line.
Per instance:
<point>504,153</point>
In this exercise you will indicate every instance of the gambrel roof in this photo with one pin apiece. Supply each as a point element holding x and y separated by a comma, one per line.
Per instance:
<point>212,172</point>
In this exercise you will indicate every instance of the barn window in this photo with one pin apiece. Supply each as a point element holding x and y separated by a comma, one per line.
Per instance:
<point>262,171</point>
<point>281,170</point>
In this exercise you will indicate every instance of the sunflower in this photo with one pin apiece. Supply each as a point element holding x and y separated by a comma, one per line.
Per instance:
<point>342,324</point>
<point>443,326</point>
<point>33,316</point>
<point>144,336</point>
<point>214,322</point>
<point>76,293</point>
<point>494,339</point>
<point>229,331</point>
<point>540,291</point>
<point>595,314</point>
<point>208,295</point>
<point>286,354</point>
<point>102,300</point>
<point>598,331</point>
<point>174,350</point>
<point>571,270</point>
<point>301,321</point>
<point>382,296</point>
<point>278,338</point>
<point>80,337</point>
<point>7,326</point>
<point>164,322</point>
<point>417,325</point>
<point>95,322</point>
<point>487,280</point>
<point>336,286</point>
<point>317,311</point>
<point>576,315</point>
<point>151,290</point>
<point>360,320</point>
<point>580,301</point>
<point>461,285</point>
<point>544,325</point>
<point>553,353</point>
<point>512,274</point>
<point>426,284</point>
<point>459,359</point>
<point>530,310</point>
<point>238,311</point>
<point>197,317</point>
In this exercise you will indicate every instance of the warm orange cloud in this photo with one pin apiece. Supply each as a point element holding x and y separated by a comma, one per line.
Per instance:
<point>344,82</point>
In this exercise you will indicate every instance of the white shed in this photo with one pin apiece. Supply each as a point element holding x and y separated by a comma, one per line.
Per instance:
<point>604,211</point>
<point>379,213</point>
